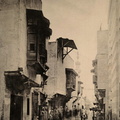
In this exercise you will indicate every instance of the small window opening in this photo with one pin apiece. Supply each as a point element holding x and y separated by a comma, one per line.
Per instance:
<point>32,47</point>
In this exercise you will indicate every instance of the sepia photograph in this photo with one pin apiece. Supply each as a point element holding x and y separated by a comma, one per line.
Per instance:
<point>59,60</point>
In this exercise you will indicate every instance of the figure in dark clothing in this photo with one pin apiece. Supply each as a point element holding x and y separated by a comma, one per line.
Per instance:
<point>56,114</point>
<point>51,114</point>
<point>66,112</point>
<point>75,112</point>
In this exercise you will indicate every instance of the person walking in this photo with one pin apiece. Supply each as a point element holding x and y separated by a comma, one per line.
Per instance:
<point>56,114</point>
<point>75,112</point>
<point>66,114</point>
<point>51,114</point>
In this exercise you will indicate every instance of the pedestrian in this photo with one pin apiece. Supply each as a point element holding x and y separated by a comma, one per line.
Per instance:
<point>60,115</point>
<point>66,113</point>
<point>75,112</point>
<point>84,116</point>
<point>42,114</point>
<point>56,114</point>
<point>51,114</point>
<point>61,112</point>
<point>80,114</point>
<point>45,113</point>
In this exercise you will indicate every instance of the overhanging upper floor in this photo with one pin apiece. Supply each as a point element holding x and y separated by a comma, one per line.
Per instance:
<point>65,43</point>
<point>70,79</point>
<point>17,82</point>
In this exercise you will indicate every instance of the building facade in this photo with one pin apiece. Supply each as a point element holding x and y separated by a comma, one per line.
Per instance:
<point>76,96</point>
<point>114,58</point>
<point>62,76</point>
<point>100,77</point>
<point>113,61</point>
<point>23,34</point>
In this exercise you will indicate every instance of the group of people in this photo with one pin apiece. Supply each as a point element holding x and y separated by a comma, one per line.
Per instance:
<point>63,114</point>
<point>59,113</point>
<point>56,114</point>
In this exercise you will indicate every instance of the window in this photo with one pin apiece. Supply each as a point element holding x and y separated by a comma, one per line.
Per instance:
<point>32,37</point>
<point>32,47</point>
<point>36,40</point>
<point>32,34</point>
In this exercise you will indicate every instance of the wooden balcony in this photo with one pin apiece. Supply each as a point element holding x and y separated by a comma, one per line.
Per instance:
<point>70,79</point>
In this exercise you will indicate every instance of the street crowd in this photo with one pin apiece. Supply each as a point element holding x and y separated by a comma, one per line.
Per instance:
<point>64,114</point>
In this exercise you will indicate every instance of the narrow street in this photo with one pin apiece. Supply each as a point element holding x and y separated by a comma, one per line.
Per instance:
<point>60,60</point>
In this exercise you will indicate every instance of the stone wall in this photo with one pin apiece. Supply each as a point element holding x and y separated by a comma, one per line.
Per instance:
<point>13,45</point>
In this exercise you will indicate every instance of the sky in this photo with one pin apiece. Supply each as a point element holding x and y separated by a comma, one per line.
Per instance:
<point>79,20</point>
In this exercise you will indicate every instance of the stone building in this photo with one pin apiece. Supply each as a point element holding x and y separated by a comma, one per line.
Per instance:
<point>76,96</point>
<point>100,77</point>
<point>114,57</point>
<point>23,34</point>
<point>62,76</point>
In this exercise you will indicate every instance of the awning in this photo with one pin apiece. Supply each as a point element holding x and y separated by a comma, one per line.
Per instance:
<point>17,82</point>
<point>72,70</point>
<point>58,95</point>
<point>38,14</point>
<point>67,42</point>
<point>43,22</point>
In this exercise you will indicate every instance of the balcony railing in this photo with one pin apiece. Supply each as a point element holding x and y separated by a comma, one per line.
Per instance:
<point>70,79</point>
<point>37,32</point>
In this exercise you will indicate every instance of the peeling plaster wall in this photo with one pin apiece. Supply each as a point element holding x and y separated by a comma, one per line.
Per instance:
<point>13,46</point>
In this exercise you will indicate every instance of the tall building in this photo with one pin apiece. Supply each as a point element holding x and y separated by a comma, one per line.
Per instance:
<point>62,76</point>
<point>114,58</point>
<point>100,77</point>
<point>76,96</point>
<point>23,34</point>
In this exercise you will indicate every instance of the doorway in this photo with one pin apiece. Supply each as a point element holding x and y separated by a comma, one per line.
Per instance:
<point>16,107</point>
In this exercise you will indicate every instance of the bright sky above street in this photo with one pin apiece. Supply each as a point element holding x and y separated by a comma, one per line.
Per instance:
<point>79,20</point>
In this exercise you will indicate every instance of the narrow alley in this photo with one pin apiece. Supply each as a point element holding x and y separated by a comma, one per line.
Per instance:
<point>59,60</point>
